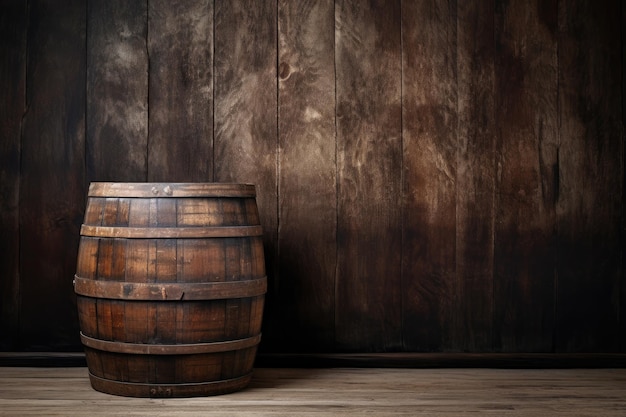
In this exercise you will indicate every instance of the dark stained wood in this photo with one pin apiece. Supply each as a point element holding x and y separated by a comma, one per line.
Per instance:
<point>518,360</point>
<point>622,245</point>
<point>431,176</point>
<point>473,292</point>
<point>591,172</point>
<point>369,161</point>
<point>180,47</point>
<point>13,18</point>
<point>307,183</point>
<point>245,116</point>
<point>52,174</point>
<point>429,136</point>
<point>117,91</point>
<point>182,317</point>
<point>527,176</point>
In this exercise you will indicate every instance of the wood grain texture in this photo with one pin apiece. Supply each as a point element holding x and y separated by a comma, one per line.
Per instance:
<point>337,392</point>
<point>13,18</point>
<point>527,176</point>
<point>307,183</point>
<point>117,91</point>
<point>369,161</point>
<point>51,204</point>
<point>245,117</point>
<point>589,208</point>
<point>429,136</point>
<point>431,176</point>
<point>158,314</point>
<point>622,318</point>
<point>180,48</point>
<point>473,292</point>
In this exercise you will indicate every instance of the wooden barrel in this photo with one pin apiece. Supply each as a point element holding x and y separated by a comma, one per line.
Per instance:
<point>170,285</point>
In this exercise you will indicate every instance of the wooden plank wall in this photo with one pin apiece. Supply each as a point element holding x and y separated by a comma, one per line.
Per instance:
<point>432,176</point>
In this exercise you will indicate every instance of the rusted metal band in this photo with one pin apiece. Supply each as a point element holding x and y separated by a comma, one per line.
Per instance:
<point>170,232</point>
<point>161,189</point>
<point>175,291</point>
<point>182,349</point>
<point>160,390</point>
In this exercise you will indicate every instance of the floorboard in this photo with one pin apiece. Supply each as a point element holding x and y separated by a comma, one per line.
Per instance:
<point>336,392</point>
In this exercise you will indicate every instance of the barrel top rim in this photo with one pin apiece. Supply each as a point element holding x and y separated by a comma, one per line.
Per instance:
<point>171,189</point>
<point>172,182</point>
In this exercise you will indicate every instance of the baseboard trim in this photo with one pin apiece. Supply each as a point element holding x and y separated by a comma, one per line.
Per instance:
<point>42,359</point>
<point>446,360</point>
<point>368,360</point>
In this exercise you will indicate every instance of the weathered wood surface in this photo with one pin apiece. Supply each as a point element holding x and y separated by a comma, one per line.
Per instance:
<point>431,176</point>
<point>146,316</point>
<point>473,293</point>
<point>429,137</point>
<point>307,176</point>
<point>13,20</point>
<point>180,121</point>
<point>622,317</point>
<point>333,392</point>
<point>117,91</point>
<point>245,116</point>
<point>526,176</point>
<point>369,163</point>
<point>52,176</point>
<point>591,178</point>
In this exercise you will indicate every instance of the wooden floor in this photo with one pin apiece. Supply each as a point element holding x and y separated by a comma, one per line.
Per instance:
<point>336,392</point>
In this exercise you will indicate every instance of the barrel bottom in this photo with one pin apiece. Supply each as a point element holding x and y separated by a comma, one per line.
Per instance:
<point>134,389</point>
<point>139,375</point>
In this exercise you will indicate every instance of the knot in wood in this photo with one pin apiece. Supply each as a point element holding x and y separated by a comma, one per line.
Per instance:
<point>284,70</point>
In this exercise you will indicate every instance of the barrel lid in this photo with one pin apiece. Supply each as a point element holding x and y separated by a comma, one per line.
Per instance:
<point>172,189</point>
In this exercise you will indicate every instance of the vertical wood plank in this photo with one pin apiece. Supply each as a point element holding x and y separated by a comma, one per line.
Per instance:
<point>180,45</point>
<point>307,204</point>
<point>623,189</point>
<point>52,186</point>
<point>369,163</point>
<point>473,298</point>
<point>590,174</point>
<point>429,134</point>
<point>527,181</point>
<point>117,91</point>
<point>245,116</point>
<point>13,18</point>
